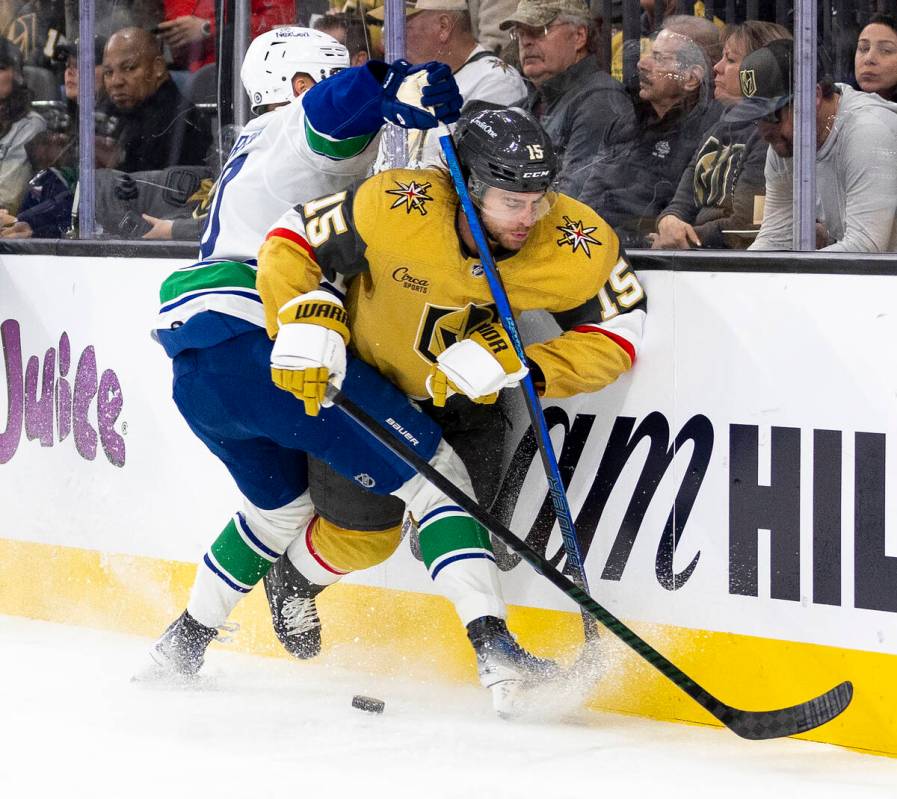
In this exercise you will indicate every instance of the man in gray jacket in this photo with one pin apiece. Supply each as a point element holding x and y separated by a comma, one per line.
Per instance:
<point>582,108</point>
<point>856,138</point>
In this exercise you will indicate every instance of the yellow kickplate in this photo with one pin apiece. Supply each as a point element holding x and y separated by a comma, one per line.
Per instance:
<point>401,632</point>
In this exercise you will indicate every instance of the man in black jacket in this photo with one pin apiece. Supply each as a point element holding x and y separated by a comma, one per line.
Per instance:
<point>631,186</point>
<point>581,107</point>
<point>159,128</point>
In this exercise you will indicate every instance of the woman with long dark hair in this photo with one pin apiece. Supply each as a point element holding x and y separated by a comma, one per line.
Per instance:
<point>18,126</point>
<point>875,63</point>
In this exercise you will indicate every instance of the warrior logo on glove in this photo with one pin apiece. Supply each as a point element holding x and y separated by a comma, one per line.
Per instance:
<point>310,349</point>
<point>479,367</point>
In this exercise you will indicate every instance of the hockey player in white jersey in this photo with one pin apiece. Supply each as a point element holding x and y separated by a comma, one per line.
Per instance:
<point>212,324</point>
<point>295,150</point>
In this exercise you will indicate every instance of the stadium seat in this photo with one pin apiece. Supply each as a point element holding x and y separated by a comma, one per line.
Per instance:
<point>202,87</point>
<point>42,82</point>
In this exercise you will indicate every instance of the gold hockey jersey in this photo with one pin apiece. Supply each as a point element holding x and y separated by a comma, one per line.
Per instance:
<point>414,290</point>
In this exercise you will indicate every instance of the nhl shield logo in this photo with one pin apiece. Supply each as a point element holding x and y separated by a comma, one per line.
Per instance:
<point>748,82</point>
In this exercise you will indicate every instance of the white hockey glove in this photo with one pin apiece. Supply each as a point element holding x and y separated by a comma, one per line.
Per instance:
<point>479,367</point>
<point>310,349</point>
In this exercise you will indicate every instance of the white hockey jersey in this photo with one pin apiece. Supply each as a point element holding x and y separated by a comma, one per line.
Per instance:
<point>270,169</point>
<point>280,160</point>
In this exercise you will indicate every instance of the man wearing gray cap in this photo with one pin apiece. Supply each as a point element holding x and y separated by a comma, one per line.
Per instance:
<point>856,137</point>
<point>580,106</point>
<point>440,30</point>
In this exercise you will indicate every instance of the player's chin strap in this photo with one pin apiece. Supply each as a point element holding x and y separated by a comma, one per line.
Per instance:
<point>537,418</point>
<point>751,724</point>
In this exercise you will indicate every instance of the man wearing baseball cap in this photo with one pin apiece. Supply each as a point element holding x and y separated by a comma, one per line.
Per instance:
<point>441,30</point>
<point>856,137</point>
<point>580,106</point>
<point>485,16</point>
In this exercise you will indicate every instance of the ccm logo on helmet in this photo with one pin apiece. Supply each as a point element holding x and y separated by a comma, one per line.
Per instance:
<point>540,174</point>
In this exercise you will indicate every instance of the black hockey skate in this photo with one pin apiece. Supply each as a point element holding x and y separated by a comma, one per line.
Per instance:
<point>294,614</point>
<point>181,650</point>
<point>505,667</point>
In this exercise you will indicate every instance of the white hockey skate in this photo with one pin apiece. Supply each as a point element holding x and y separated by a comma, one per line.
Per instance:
<point>505,667</point>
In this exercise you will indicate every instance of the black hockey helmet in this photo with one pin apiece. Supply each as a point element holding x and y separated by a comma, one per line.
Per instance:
<point>505,148</point>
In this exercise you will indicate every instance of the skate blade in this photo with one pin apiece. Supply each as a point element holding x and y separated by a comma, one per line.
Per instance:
<point>554,698</point>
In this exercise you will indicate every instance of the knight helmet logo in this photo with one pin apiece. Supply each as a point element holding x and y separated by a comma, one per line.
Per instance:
<point>748,80</point>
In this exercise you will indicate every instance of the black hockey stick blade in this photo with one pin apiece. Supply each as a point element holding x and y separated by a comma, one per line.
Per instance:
<point>755,725</point>
<point>762,724</point>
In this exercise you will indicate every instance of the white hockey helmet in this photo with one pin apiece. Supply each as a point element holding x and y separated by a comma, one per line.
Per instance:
<point>275,57</point>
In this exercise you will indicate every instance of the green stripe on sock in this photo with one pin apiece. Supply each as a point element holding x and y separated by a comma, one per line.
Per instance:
<point>338,149</point>
<point>449,534</point>
<point>226,273</point>
<point>236,557</point>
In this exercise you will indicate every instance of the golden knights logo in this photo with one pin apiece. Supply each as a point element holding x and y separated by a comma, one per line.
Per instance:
<point>748,80</point>
<point>411,196</point>
<point>440,327</point>
<point>577,235</point>
<point>716,167</point>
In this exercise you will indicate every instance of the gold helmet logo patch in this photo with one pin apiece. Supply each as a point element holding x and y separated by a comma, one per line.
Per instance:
<point>748,80</point>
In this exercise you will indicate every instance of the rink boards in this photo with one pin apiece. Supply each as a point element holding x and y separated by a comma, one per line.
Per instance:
<point>760,409</point>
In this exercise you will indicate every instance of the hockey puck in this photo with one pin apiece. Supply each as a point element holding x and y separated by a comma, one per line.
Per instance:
<point>368,703</point>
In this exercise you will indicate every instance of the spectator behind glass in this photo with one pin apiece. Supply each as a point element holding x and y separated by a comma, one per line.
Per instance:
<point>582,108</point>
<point>720,188</point>
<point>633,184</point>
<point>69,54</point>
<point>875,63</point>
<point>189,27</point>
<point>856,137</point>
<point>351,31</point>
<point>18,126</point>
<point>440,30</point>
<point>647,24</point>
<point>159,127</point>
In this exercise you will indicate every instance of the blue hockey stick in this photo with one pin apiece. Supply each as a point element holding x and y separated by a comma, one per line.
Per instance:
<point>537,418</point>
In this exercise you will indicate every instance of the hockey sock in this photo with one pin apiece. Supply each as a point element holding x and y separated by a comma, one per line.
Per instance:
<point>455,548</point>
<point>309,561</point>
<point>241,556</point>
<point>458,554</point>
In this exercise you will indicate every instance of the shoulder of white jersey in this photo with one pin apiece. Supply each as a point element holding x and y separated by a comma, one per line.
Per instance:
<point>490,71</point>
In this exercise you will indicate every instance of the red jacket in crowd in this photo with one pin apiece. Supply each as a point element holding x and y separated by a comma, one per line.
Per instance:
<point>265,14</point>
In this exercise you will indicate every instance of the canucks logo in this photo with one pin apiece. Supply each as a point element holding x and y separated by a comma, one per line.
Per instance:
<point>577,235</point>
<point>440,327</point>
<point>411,196</point>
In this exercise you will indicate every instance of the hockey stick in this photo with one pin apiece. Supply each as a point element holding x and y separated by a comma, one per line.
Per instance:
<point>537,418</point>
<point>756,725</point>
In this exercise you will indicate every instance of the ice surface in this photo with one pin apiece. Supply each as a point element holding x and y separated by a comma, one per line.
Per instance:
<point>72,724</point>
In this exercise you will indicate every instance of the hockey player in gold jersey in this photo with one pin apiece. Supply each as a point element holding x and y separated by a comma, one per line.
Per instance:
<point>420,311</point>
